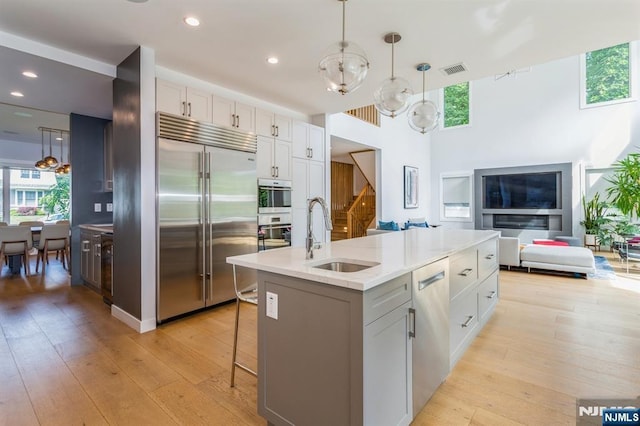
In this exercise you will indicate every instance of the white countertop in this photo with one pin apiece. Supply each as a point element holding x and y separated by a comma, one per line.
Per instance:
<point>397,252</point>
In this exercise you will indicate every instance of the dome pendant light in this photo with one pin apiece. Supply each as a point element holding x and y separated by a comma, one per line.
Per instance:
<point>41,164</point>
<point>345,65</point>
<point>392,97</point>
<point>423,115</point>
<point>52,162</point>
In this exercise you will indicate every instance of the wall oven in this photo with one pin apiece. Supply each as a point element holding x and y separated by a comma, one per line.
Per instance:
<point>274,196</point>
<point>274,230</point>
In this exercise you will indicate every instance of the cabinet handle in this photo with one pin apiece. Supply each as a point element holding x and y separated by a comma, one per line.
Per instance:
<point>466,272</point>
<point>428,281</point>
<point>273,130</point>
<point>277,131</point>
<point>273,171</point>
<point>311,152</point>
<point>468,321</point>
<point>85,246</point>
<point>189,109</point>
<point>237,121</point>
<point>489,256</point>
<point>412,323</point>
<point>184,108</point>
<point>277,171</point>
<point>492,295</point>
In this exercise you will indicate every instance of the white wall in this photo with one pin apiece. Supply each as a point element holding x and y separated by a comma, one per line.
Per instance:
<point>398,146</point>
<point>535,118</point>
<point>19,154</point>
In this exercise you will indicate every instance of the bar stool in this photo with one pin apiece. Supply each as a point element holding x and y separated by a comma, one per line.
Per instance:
<point>246,295</point>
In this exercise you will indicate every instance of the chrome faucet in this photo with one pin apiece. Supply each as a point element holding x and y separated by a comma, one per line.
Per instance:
<point>327,222</point>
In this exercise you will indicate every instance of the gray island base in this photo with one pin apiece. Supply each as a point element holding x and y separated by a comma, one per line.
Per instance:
<point>368,347</point>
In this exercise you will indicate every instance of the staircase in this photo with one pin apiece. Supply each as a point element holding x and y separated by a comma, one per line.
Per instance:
<point>353,220</point>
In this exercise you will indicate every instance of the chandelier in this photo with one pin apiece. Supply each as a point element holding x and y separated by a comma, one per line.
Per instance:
<point>50,162</point>
<point>392,97</point>
<point>423,115</point>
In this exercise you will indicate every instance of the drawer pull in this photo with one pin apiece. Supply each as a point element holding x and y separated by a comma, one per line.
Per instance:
<point>492,295</point>
<point>412,323</point>
<point>466,272</point>
<point>490,256</point>
<point>428,281</point>
<point>468,321</point>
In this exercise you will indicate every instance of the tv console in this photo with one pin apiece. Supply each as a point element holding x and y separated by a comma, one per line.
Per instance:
<point>527,202</point>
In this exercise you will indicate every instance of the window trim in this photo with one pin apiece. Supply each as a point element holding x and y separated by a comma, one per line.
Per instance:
<point>441,101</point>
<point>633,80</point>
<point>469,176</point>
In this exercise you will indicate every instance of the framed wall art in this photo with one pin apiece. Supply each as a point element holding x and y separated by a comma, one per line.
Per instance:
<point>410,187</point>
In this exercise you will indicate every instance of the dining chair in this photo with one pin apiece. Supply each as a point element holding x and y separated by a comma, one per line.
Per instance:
<point>247,295</point>
<point>15,241</point>
<point>64,222</point>
<point>53,238</point>
<point>31,223</point>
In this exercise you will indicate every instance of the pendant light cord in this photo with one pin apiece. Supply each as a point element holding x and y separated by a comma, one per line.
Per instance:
<point>423,84</point>
<point>393,43</point>
<point>343,20</point>
<point>50,154</point>
<point>42,133</point>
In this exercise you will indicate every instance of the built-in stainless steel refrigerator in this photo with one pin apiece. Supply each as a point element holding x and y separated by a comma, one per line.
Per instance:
<point>207,203</point>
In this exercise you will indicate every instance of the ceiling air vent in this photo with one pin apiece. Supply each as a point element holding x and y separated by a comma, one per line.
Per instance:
<point>453,69</point>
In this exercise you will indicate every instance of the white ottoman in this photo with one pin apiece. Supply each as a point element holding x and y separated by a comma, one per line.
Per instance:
<point>558,258</point>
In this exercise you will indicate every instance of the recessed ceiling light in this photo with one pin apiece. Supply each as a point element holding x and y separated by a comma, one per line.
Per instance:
<point>22,114</point>
<point>272,60</point>
<point>58,138</point>
<point>192,21</point>
<point>17,94</point>
<point>30,74</point>
<point>138,1</point>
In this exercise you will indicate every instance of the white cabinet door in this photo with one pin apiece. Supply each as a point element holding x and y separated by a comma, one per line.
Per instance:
<point>223,111</point>
<point>170,97</point>
<point>316,143</point>
<point>300,139</point>
<point>264,123</point>
<point>298,226</point>
<point>282,159</point>
<point>387,369</point>
<point>299,183</point>
<point>198,105</point>
<point>283,127</point>
<point>315,180</point>
<point>264,158</point>
<point>245,117</point>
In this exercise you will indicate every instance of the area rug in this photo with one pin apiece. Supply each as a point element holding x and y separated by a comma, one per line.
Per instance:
<point>604,271</point>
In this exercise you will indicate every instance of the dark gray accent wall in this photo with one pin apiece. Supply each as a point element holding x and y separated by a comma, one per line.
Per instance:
<point>127,283</point>
<point>87,181</point>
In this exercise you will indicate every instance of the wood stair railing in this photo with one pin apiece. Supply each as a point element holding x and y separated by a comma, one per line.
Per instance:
<point>361,212</point>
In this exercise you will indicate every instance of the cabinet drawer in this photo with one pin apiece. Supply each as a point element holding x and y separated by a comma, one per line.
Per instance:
<point>487,296</point>
<point>386,297</point>
<point>463,271</point>
<point>487,257</point>
<point>463,322</point>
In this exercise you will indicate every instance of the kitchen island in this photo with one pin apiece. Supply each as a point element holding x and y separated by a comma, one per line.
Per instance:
<point>343,347</point>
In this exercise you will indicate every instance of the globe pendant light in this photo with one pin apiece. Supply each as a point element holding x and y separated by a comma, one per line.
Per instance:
<point>423,115</point>
<point>41,164</point>
<point>392,97</point>
<point>345,65</point>
<point>52,162</point>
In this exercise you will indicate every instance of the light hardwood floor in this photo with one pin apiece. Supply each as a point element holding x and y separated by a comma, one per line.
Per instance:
<point>64,360</point>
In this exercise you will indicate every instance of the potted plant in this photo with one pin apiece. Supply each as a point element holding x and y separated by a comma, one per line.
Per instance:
<point>624,191</point>
<point>595,221</point>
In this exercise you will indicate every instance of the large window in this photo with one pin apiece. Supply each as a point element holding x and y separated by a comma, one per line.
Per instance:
<point>607,75</point>
<point>456,105</point>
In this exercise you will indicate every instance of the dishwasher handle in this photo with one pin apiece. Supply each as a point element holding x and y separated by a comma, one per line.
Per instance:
<point>422,284</point>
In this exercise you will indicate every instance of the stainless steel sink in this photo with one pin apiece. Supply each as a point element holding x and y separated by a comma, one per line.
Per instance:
<point>345,265</point>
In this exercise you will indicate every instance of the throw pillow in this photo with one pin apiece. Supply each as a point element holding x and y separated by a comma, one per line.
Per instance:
<point>388,226</point>
<point>416,225</point>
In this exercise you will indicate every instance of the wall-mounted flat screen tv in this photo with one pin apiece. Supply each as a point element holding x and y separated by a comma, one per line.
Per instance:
<point>522,191</point>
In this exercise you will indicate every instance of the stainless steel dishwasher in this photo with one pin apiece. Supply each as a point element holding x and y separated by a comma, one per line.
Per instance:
<point>430,330</point>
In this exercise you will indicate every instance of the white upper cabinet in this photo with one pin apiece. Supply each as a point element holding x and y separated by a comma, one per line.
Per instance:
<point>229,113</point>
<point>181,100</point>
<point>308,141</point>
<point>273,158</point>
<point>274,125</point>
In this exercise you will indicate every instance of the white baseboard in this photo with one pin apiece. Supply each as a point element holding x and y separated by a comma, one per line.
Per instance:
<point>133,322</point>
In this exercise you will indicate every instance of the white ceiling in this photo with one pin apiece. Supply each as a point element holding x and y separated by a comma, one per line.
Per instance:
<point>230,47</point>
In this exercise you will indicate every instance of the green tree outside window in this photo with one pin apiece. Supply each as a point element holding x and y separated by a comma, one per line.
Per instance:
<point>607,74</point>
<point>456,105</point>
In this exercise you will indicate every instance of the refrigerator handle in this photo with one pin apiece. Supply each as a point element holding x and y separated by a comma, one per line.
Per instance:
<point>203,215</point>
<point>209,249</point>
